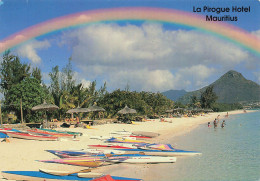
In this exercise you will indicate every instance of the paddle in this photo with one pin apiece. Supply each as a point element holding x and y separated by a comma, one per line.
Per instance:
<point>53,172</point>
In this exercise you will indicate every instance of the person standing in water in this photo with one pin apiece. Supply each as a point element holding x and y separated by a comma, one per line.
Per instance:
<point>209,125</point>
<point>223,124</point>
<point>226,115</point>
<point>215,123</point>
<point>218,118</point>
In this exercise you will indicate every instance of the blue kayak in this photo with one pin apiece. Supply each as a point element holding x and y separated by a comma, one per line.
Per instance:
<point>68,154</point>
<point>3,135</point>
<point>41,176</point>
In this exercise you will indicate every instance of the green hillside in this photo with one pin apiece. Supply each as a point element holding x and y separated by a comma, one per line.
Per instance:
<point>174,94</point>
<point>232,87</point>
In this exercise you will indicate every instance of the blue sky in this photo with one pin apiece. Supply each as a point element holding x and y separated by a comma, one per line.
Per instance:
<point>181,58</point>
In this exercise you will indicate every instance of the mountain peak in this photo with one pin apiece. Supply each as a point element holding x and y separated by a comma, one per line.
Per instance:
<point>232,87</point>
<point>233,74</point>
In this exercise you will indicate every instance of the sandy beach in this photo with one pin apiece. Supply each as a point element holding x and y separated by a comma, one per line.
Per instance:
<point>21,154</point>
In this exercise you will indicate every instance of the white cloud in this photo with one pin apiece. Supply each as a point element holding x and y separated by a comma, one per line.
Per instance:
<point>198,74</point>
<point>143,80</point>
<point>29,50</point>
<point>150,57</point>
<point>77,77</point>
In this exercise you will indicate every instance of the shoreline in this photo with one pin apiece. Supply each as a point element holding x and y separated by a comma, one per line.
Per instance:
<point>186,126</point>
<point>22,154</point>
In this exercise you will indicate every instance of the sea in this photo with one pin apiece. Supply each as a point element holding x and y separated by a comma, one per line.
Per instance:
<point>231,153</point>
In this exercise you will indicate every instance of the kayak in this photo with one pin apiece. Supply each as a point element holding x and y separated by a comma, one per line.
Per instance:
<point>113,146</point>
<point>86,173</point>
<point>3,136</point>
<point>11,129</point>
<point>65,132</point>
<point>144,159</point>
<point>146,146</point>
<point>84,153</point>
<point>121,132</point>
<point>41,176</point>
<point>174,152</point>
<point>123,140</point>
<point>36,131</point>
<point>79,161</point>
<point>29,136</point>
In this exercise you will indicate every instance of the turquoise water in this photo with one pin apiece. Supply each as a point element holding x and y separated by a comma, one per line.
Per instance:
<point>229,153</point>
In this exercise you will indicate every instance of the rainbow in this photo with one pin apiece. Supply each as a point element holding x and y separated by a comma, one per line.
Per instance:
<point>224,30</point>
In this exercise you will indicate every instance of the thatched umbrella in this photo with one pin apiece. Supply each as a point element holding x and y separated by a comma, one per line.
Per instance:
<point>127,110</point>
<point>96,108</point>
<point>45,107</point>
<point>77,110</point>
<point>169,111</point>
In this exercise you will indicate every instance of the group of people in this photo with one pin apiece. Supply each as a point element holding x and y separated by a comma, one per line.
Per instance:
<point>216,122</point>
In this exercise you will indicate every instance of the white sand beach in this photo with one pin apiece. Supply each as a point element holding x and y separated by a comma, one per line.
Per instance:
<point>21,154</point>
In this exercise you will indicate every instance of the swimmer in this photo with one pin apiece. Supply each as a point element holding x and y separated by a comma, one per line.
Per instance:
<point>209,125</point>
<point>223,124</point>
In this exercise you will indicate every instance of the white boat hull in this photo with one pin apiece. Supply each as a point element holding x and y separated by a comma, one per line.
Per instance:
<point>147,159</point>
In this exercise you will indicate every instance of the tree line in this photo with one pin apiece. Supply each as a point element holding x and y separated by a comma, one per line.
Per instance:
<point>22,83</point>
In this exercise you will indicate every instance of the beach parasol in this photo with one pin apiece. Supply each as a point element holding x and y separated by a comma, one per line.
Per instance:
<point>127,110</point>
<point>77,110</point>
<point>95,108</point>
<point>169,111</point>
<point>45,107</point>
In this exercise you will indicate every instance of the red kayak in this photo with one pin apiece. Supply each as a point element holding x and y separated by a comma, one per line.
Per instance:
<point>37,131</point>
<point>29,136</point>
